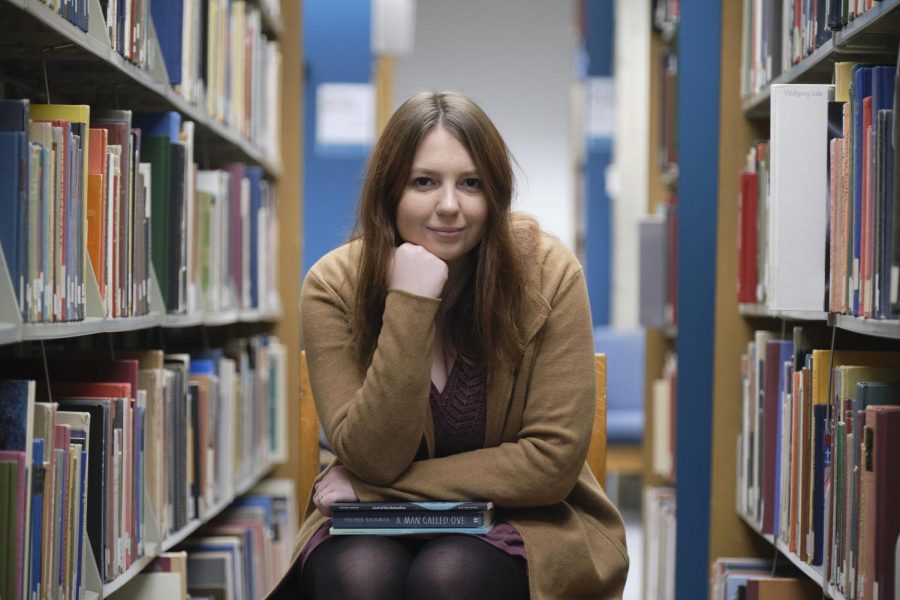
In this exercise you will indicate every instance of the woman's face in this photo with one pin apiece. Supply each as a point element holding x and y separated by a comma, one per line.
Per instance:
<point>443,207</point>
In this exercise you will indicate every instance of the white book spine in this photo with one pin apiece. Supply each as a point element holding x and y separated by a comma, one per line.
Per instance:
<point>798,212</point>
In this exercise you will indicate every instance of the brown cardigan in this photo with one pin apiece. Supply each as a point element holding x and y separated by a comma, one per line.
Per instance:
<point>538,425</point>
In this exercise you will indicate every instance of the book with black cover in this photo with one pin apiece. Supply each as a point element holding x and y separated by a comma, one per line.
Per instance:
<point>398,518</point>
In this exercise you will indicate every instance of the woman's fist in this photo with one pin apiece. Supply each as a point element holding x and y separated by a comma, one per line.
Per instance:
<point>417,271</point>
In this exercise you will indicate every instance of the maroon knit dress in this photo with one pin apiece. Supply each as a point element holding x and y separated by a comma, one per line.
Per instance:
<point>458,414</point>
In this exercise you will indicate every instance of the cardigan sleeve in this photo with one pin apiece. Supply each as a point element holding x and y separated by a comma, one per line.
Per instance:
<point>375,420</point>
<point>542,466</point>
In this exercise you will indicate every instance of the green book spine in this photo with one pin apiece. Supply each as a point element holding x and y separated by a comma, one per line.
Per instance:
<point>156,150</point>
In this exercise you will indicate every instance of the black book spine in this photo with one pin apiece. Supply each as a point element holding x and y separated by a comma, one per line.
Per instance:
<point>408,519</point>
<point>835,19</point>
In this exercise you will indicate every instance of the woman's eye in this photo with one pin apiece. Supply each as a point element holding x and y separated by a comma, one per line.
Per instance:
<point>421,182</point>
<point>472,183</point>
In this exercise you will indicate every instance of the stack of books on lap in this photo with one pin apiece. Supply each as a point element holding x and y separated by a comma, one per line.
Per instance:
<point>405,518</point>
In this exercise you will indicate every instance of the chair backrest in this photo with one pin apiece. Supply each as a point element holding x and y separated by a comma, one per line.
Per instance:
<point>309,428</point>
<point>597,451</point>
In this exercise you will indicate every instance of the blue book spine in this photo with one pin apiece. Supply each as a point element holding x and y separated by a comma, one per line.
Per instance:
<point>167,18</point>
<point>14,119</point>
<point>10,203</point>
<point>37,516</point>
<point>162,124</point>
<point>862,88</point>
<point>786,353</point>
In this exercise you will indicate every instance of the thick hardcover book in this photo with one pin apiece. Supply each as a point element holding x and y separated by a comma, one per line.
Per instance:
<point>167,19</point>
<point>403,518</point>
<point>349,507</point>
<point>822,461</point>
<point>413,519</point>
<point>797,214</point>
<point>406,531</point>
<point>14,165</point>
<point>885,447</point>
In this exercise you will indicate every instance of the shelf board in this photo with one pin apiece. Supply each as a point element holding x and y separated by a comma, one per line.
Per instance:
<point>175,321</point>
<point>179,536</point>
<point>135,568</point>
<point>9,333</point>
<point>755,310</point>
<point>133,323</point>
<point>110,74</point>
<point>223,317</point>
<point>875,327</point>
<point>802,315</point>
<point>760,311</point>
<point>55,331</point>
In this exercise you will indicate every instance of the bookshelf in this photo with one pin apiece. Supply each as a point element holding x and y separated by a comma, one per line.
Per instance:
<point>44,56</point>
<point>871,37</point>
<point>867,35</point>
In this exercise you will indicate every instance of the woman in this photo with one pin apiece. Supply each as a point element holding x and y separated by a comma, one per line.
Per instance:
<point>451,357</point>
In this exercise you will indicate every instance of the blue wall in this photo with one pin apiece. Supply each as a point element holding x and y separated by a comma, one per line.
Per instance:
<point>599,43</point>
<point>698,113</point>
<point>337,50</point>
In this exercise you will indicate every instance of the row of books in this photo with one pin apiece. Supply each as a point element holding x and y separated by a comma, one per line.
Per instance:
<point>240,555</point>
<point>82,189</point>
<point>817,201</point>
<point>75,12</point>
<point>663,397</point>
<point>214,52</point>
<point>659,543</point>
<point>113,456</point>
<point>776,35</point>
<point>217,57</point>
<point>403,518</point>
<point>733,578</point>
<point>658,249</point>
<point>816,454</point>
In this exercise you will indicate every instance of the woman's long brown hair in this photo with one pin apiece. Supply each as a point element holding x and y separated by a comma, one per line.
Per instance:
<point>484,324</point>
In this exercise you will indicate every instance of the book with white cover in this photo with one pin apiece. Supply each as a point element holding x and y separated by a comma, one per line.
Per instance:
<point>798,208</point>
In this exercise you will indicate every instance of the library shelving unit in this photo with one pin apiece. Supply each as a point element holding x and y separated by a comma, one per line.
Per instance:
<point>737,123</point>
<point>43,53</point>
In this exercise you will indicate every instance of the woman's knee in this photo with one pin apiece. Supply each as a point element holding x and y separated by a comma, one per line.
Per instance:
<point>364,568</point>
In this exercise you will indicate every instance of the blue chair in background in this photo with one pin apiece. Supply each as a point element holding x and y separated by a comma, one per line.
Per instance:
<point>625,378</point>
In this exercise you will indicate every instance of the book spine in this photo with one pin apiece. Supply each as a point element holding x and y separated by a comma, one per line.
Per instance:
<point>408,520</point>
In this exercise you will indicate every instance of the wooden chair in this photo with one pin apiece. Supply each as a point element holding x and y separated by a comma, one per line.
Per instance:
<point>309,428</point>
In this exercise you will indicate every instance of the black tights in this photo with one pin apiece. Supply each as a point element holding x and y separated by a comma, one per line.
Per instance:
<point>447,567</point>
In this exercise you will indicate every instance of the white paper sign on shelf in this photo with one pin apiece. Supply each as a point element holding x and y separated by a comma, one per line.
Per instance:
<point>345,114</point>
<point>600,107</point>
